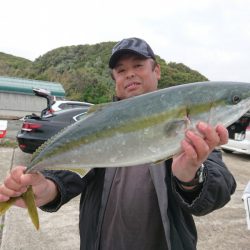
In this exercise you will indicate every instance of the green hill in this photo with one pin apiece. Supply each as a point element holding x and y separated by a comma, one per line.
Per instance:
<point>14,66</point>
<point>84,73</point>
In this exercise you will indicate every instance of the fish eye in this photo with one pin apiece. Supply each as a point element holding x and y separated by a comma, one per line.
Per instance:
<point>236,99</point>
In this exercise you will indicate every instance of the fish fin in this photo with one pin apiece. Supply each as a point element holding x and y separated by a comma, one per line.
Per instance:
<point>80,171</point>
<point>4,206</point>
<point>29,200</point>
<point>174,127</point>
<point>49,141</point>
<point>98,107</point>
<point>162,160</point>
<point>46,143</point>
<point>157,162</point>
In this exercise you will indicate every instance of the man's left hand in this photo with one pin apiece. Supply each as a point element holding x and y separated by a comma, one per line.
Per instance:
<point>195,149</point>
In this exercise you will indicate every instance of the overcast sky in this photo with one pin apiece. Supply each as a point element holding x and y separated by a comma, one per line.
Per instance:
<point>210,36</point>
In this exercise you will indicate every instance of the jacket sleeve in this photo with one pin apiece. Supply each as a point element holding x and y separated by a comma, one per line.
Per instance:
<point>215,192</point>
<point>69,185</point>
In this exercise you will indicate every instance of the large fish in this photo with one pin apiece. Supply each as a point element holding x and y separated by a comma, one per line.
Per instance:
<point>142,129</point>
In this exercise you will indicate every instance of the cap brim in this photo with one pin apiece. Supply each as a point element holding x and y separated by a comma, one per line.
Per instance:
<point>116,56</point>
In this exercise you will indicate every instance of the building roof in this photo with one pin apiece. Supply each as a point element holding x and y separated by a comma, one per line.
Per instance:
<point>25,86</point>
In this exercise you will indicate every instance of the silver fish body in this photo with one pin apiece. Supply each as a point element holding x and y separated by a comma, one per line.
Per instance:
<point>142,129</point>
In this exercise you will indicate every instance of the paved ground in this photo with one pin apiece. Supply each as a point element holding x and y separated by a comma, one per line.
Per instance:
<point>58,231</point>
<point>222,230</point>
<point>227,228</point>
<point>12,128</point>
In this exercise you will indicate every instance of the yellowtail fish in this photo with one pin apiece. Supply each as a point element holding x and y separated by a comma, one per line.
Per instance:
<point>142,129</point>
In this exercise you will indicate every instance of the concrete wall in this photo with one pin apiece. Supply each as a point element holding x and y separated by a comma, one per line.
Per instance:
<point>14,105</point>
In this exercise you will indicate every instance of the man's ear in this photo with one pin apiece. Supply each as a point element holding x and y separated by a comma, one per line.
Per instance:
<point>111,74</point>
<point>158,71</point>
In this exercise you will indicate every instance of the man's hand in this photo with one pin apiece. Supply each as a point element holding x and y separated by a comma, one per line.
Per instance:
<point>17,182</point>
<point>196,148</point>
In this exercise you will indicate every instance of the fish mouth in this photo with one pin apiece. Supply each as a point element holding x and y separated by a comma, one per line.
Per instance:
<point>131,85</point>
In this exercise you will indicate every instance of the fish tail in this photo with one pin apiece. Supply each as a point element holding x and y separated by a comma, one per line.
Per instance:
<point>4,206</point>
<point>29,200</point>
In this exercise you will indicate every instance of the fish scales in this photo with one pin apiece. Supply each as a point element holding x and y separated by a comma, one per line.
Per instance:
<point>142,129</point>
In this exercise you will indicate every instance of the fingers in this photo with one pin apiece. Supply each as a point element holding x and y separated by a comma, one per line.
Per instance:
<point>31,179</point>
<point>16,183</point>
<point>198,146</point>
<point>13,185</point>
<point>223,134</point>
<point>13,188</point>
<point>4,197</point>
<point>203,142</point>
<point>211,136</point>
<point>186,163</point>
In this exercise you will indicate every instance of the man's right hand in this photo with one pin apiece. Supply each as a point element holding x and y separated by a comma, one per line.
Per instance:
<point>17,182</point>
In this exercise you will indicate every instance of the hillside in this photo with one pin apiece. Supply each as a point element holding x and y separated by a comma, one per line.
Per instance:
<point>83,71</point>
<point>14,66</point>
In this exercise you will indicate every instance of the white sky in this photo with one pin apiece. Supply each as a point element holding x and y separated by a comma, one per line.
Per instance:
<point>210,36</point>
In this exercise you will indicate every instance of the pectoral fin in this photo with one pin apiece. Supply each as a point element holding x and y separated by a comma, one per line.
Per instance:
<point>175,126</point>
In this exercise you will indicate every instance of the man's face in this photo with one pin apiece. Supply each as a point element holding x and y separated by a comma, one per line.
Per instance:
<point>135,75</point>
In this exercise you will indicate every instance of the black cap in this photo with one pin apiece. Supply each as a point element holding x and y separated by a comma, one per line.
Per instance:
<point>130,45</point>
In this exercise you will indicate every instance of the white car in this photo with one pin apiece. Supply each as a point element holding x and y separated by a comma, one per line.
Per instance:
<point>62,105</point>
<point>54,105</point>
<point>239,136</point>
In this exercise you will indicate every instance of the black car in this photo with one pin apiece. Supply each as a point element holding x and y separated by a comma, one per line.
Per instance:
<point>36,130</point>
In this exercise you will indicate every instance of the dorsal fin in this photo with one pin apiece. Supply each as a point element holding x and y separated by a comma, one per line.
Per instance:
<point>92,109</point>
<point>49,141</point>
<point>98,107</point>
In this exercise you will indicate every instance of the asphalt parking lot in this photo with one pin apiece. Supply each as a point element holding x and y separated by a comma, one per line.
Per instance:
<point>226,228</point>
<point>57,231</point>
<point>221,230</point>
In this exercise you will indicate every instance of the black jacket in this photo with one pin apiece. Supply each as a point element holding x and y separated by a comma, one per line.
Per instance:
<point>176,205</point>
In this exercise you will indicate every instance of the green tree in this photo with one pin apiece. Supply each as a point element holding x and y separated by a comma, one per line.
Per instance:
<point>83,71</point>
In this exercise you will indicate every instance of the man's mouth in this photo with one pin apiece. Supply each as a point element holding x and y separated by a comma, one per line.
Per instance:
<point>132,84</point>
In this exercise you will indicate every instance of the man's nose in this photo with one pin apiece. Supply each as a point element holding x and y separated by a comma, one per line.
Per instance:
<point>130,73</point>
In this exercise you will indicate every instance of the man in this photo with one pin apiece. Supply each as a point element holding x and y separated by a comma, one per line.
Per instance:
<point>144,207</point>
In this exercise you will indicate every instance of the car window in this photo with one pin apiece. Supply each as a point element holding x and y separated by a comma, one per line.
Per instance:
<point>79,105</point>
<point>63,106</point>
<point>72,105</point>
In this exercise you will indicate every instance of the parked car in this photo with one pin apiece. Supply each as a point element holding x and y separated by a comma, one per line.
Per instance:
<point>239,136</point>
<point>47,95</point>
<point>54,105</point>
<point>36,130</point>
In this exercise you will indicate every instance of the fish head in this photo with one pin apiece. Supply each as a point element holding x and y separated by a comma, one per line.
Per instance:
<point>231,101</point>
